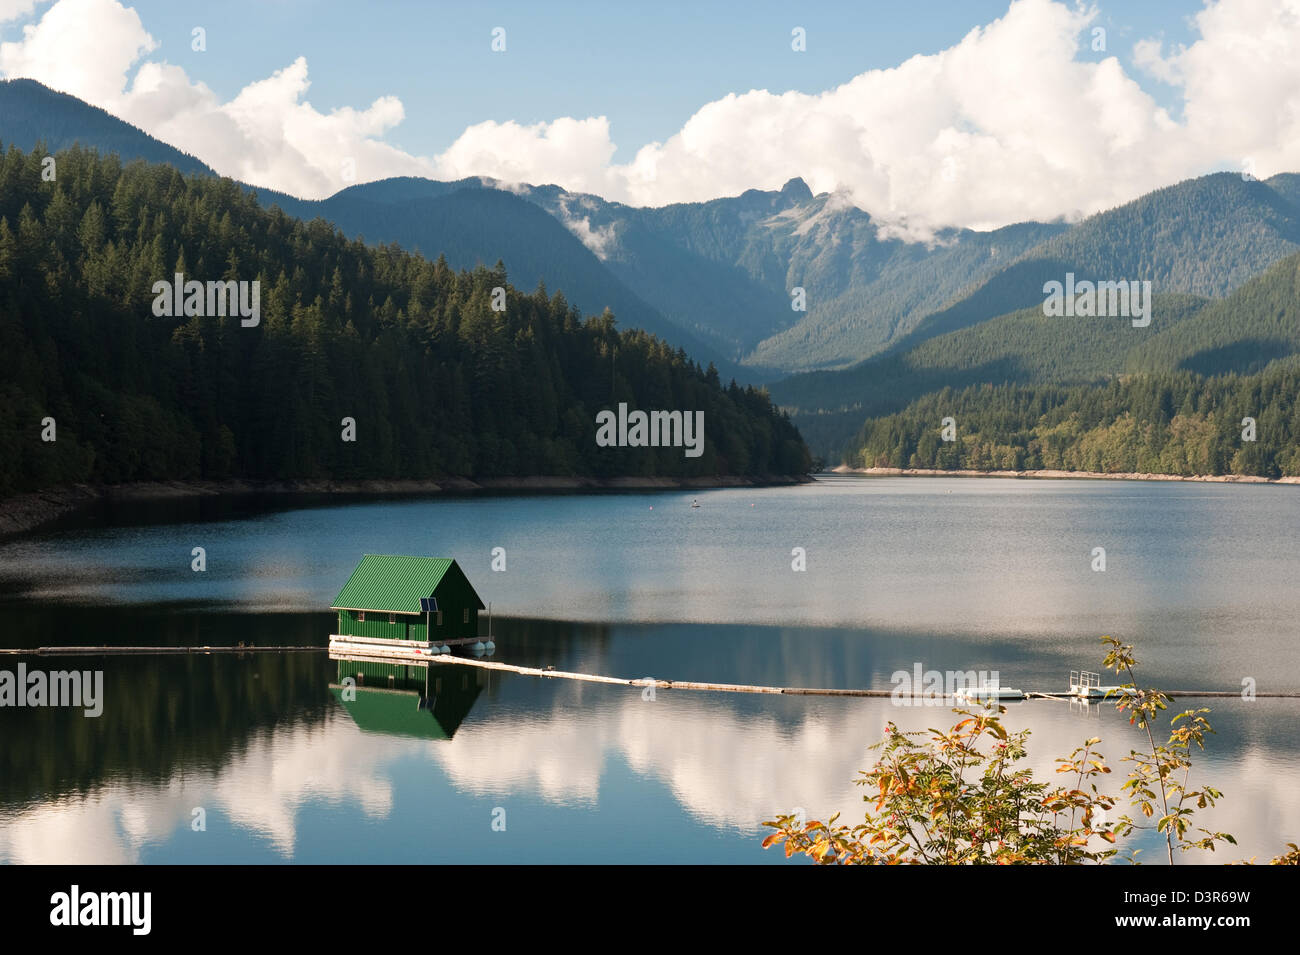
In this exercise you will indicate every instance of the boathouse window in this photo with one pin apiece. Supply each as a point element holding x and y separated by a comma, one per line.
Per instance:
<point>440,618</point>
<point>464,618</point>
<point>392,618</point>
<point>361,616</point>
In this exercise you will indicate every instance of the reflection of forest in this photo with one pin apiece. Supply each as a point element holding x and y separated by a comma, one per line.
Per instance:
<point>161,714</point>
<point>165,715</point>
<point>36,624</point>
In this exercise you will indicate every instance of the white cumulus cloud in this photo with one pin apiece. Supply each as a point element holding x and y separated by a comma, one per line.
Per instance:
<point>269,134</point>
<point>82,47</point>
<point>1241,84</point>
<point>1018,120</point>
<point>16,9</point>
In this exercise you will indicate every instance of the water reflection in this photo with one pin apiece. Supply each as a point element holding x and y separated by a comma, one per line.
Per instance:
<point>423,701</point>
<point>413,768</point>
<point>1190,567</point>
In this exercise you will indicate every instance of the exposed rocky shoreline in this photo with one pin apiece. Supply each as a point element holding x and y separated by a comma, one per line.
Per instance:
<point>1091,475</point>
<point>25,512</point>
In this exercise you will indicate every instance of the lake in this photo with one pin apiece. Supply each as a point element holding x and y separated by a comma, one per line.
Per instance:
<point>953,574</point>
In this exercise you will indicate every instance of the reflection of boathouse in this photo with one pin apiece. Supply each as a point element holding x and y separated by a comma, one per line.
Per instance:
<point>426,701</point>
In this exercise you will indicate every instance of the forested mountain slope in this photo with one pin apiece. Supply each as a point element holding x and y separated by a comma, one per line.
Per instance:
<point>464,221</point>
<point>32,113</point>
<point>436,381</point>
<point>1173,401</point>
<point>1204,236</point>
<point>1176,423</point>
<point>470,225</point>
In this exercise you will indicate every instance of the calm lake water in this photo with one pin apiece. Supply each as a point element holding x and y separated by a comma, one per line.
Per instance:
<point>953,574</point>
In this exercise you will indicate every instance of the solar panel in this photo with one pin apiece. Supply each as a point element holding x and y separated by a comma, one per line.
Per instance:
<point>428,605</point>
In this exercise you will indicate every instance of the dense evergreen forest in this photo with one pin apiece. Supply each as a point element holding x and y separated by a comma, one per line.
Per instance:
<point>1169,423</point>
<point>1246,332</point>
<point>439,383</point>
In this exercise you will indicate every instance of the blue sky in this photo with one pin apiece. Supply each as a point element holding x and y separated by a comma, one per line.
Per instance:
<point>927,114</point>
<point>647,67</point>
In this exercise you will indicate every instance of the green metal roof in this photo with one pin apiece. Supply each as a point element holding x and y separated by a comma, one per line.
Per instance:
<point>394,584</point>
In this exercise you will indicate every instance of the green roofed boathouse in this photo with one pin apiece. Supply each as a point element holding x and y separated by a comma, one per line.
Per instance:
<point>408,598</point>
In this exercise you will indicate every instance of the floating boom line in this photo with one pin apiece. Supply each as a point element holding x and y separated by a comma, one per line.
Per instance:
<point>552,673</point>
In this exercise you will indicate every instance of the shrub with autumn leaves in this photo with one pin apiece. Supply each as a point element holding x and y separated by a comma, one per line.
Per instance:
<point>957,797</point>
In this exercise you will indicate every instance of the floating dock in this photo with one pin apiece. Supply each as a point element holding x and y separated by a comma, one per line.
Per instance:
<point>1086,685</point>
<point>385,648</point>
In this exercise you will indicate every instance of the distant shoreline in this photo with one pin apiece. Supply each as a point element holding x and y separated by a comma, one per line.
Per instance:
<point>1051,474</point>
<point>26,512</point>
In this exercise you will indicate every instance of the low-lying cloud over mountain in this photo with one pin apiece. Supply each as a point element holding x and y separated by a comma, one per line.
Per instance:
<point>1022,119</point>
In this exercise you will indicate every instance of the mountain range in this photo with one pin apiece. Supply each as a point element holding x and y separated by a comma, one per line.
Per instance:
<point>885,320</point>
<point>715,278</point>
<point>1196,242</point>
